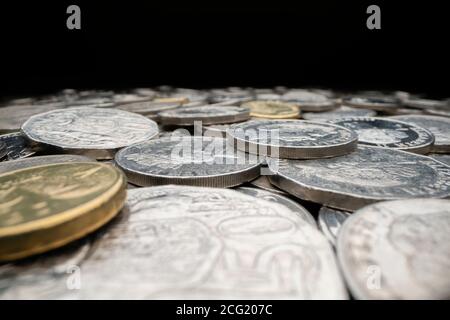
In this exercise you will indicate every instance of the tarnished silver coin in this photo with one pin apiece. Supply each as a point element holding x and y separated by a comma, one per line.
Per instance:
<point>296,139</point>
<point>270,196</point>
<point>309,101</point>
<point>397,250</point>
<point>445,158</point>
<point>3,151</point>
<point>207,243</point>
<point>95,132</point>
<point>17,146</point>
<point>330,221</point>
<point>339,113</point>
<point>263,182</point>
<point>383,104</point>
<point>8,166</point>
<point>197,161</point>
<point>367,175</point>
<point>387,133</point>
<point>150,109</point>
<point>206,114</point>
<point>12,117</point>
<point>438,126</point>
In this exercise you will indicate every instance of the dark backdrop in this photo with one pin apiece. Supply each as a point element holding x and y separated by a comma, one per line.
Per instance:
<point>131,43</point>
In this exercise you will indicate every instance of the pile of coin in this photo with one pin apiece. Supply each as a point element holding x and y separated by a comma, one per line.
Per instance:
<point>233,193</point>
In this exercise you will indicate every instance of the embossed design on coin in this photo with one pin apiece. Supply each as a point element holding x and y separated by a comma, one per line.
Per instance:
<point>48,206</point>
<point>389,134</point>
<point>296,139</point>
<point>367,175</point>
<point>330,221</point>
<point>397,250</point>
<point>339,113</point>
<point>438,126</point>
<point>207,114</point>
<point>96,132</point>
<point>445,158</point>
<point>272,109</point>
<point>3,151</point>
<point>270,196</point>
<point>200,161</point>
<point>17,146</point>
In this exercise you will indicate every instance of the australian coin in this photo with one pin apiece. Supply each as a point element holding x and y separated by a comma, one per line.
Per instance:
<point>388,133</point>
<point>438,126</point>
<point>200,161</point>
<point>150,109</point>
<point>12,117</point>
<point>48,206</point>
<point>272,109</point>
<point>7,166</point>
<point>207,243</point>
<point>339,113</point>
<point>262,182</point>
<point>126,98</point>
<point>205,114</point>
<point>330,221</point>
<point>295,139</point>
<point>383,104</point>
<point>397,250</point>
<point>445,158</point>
<point>270,196</point>
<point>179,100</point>
<point>17,146</point>
<point>367,175</point>
<point>95,132</point>
<point>309,101</point>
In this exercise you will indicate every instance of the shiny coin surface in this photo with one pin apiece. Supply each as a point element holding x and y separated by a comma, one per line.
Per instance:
<point>339,113</point>
<point>397,250</point>
<point>388,133</point>
<point>424,103</point>
<point>17,146</point>
<point>270,196</point>
<point>438,126</point>
<point>207,243</point>
<point>295,139</point>
<point>205,114</point>
<point>330,221</point>
<point>272,109</point>
<point>149,109</point>
<point>367,175</point>
<point>48,206</point>
<point>95,132</point>
<point>199,161</point>
<point>309,101</point>
<point>12,118</point>
<point>7,166</point>
<point>445,158</point>
<point>3,150</point>
<point>263,182</point>
<point>373,103</point>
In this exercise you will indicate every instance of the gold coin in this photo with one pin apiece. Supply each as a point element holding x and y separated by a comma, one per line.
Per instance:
<point>272,109</point>
<point>46,207</point>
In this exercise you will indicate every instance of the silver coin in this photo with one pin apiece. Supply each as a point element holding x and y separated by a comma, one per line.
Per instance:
<point>17,146</point>
<point>3,151</point>
<point>438,126</point>
<point>438,112</point>
<point>263,182</point>
<point>296,139</point>
<point>206,114</point>
<point>126,98</point>
<point>198,161</point>
<point>367,175</point>
<point>445,158</point>
<point>341,112</point>
<point>270,196</point>
<point>397,250</point>
<point>8,166</point>
<point>12,117</point>
<point>95,132</point>
<point>424,103</point>
<point>309,101</point>
<point>330,221</point>
<point>383,104</point>
<point>387,133</point>
<point>207,243</point>
<point>149,109</point>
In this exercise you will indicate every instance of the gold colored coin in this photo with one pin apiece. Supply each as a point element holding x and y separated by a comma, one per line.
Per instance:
<point>272,109</point>
<point>46,207</point>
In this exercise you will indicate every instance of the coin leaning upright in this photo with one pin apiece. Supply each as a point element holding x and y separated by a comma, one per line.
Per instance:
<point>403,246</point>
<point>49,206</point>
<point>294,139</point>
<point>381,132</point>
<point>95,132</point>
<point>206,114</point>
<point>368,175</point>
<point>197,161</point>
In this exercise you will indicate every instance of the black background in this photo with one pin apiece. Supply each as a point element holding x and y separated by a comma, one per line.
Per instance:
<point>125,44</point>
